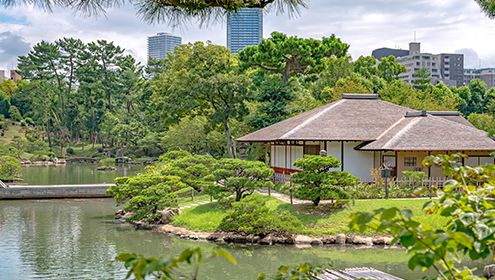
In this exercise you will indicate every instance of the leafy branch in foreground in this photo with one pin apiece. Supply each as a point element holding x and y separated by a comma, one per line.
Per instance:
<point>141,267</point>
<point>169,268</point>
<point>488,7</point>
<point>466,201</point>
<point>174,11</point>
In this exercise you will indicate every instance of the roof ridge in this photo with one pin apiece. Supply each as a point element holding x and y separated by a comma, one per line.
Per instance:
<point>401,132</point>
<point>390,128</point>
<point>312,118</point>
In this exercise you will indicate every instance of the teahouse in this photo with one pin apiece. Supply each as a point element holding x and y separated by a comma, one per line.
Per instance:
<point>364,133</point>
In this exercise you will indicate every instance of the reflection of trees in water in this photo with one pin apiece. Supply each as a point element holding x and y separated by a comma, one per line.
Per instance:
<point>74,173</point>
<point>62,239</point>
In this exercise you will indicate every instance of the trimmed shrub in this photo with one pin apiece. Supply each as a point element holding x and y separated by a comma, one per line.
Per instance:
<point>70,151</point>
<point>106,163</point>
<point>316,181</point>
<point>239,178</point>
<point>252,216</point>
<point>146,194</point>
<point>10,168</point>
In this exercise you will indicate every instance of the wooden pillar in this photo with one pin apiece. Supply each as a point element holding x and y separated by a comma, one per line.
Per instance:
<point>341,155</point>
<point>429,167</point>
<point>285,171</point>
<point>396,165</point>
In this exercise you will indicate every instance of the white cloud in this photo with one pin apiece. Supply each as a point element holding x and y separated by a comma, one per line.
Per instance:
<point>441,26</point>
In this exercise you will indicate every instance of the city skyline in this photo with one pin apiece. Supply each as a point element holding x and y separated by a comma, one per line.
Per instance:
<point>365,25</point>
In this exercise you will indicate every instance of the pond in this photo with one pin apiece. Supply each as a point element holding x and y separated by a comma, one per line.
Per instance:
<point>73,173</point>
<point>78,239</point>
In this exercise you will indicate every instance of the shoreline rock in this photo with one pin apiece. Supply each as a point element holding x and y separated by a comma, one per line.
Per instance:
<point>299,240</point>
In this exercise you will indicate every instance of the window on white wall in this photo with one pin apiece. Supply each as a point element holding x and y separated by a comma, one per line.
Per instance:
<point>312,149</point>
<point>410,161</point>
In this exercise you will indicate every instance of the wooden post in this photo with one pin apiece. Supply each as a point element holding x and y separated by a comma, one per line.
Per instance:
<point>269,190</point>
<point>290,193</point>
<point>386,188</point>
<point>192,194</point>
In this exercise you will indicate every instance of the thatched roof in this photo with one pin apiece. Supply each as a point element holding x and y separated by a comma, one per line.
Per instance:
<point>431,133</point>
<point>380,124</point>
<point>358,117</point>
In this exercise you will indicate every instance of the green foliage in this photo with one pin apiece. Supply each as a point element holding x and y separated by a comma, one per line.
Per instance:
<point>435,98</point>
<point>305,271</point>
<point>389,69</point>
<point>171,268</point>
<point>422,79</point>
<point>483,121</point>
<point>146,194</point>
<point>318,182</point>
<point>274,99</point>
<point>193,170</point>
<point>70,151</point>
<point>252,216</point>
<point>334,69</point>
<point>465,201</point>
<point>487,6</point>
<point>202,80</point>
<point>106,163</point>
<point>193,134</point>
<point>70,86</point>
<point>10,168</point>
<point>159,185</point>
<point>288,56</point>
<point>374,191</point>
<point>474,97</point>
<point>238,177</point>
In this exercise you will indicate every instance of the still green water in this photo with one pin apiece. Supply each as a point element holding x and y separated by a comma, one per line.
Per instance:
<point>78,239</point>
<point>73,174</point>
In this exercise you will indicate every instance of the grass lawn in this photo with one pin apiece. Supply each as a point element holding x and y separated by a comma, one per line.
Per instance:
<point>185,201</point>
<point>319,220</point>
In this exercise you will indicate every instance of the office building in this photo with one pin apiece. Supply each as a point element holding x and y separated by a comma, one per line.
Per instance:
<point>244,28</point>
<point>162,43</point>
<point>487,75</point>
<point>445,67</point>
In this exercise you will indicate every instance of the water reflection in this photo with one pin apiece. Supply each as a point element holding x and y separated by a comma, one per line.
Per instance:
<point>74,174</point>
<point>77,239</point>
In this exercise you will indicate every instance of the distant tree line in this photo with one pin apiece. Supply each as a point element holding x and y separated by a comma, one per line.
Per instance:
<point>201,97</point>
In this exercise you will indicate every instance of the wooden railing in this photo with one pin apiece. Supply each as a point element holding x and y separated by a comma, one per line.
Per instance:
<point>279,178</point>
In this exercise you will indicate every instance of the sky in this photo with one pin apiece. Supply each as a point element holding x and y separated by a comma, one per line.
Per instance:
<point>449,26</point>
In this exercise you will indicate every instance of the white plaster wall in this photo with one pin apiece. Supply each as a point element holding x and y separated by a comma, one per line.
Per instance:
<point>472,161</point>
<point>296,153</point>
<point>358,163</point>
<point>278,156</point>
<point>333,149</point>
<point>486,160</point>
